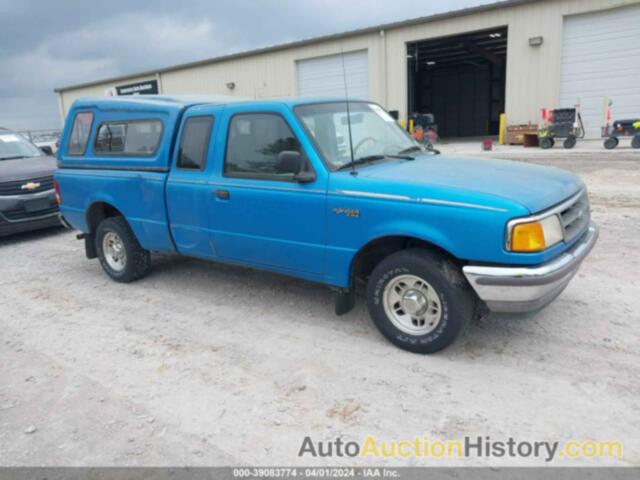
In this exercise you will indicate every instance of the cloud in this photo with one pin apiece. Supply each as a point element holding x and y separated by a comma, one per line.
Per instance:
<point>46,44</point>
<point>130,40</point>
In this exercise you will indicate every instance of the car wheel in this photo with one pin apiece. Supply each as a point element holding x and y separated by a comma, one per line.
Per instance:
<point>419,300</point>
<point>611,143</point>
<point>120,254</point>
<point>635,141</point>
<point>546,143</point>
<point>570,142</point>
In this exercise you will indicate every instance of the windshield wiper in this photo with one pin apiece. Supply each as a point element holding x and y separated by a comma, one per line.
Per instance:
<point>360,161</point>
<point>13,158</point>
<point>373,158</point>
<point>414,148</point>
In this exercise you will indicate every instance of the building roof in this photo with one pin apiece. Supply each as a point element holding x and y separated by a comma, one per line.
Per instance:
<point>309,41</point>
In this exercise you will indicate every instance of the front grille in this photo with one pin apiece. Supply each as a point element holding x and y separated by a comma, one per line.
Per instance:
<point>15,187</point>
<point>21,214</point>
<point>576,217</point>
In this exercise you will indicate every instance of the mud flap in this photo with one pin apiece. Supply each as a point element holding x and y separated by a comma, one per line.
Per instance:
<point>89,245</point>
<point>345,301</point>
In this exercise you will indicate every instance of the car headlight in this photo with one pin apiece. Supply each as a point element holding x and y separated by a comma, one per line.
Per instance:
<point>535,236</point>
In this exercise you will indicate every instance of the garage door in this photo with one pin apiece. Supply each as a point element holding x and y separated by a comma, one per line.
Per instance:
<point>601,58</point>
<point>323,76</point>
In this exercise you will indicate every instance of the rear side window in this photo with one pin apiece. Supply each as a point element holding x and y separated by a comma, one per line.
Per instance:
<point>195,142</point>
<point>132,138</point>
<point>80,133</point>
<point>253,145</point>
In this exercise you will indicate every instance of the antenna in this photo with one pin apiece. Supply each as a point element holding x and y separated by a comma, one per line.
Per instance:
<point>346,96</point>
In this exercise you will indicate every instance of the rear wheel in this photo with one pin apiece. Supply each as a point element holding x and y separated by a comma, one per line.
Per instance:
<point>120,254</point>
<point>611,143</point>
<point>570,142</point>
<point>635,142</point>
<point>546,143</point>
<point>419,300</point>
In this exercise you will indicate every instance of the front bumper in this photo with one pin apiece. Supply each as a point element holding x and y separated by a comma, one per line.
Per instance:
<point>527,289</point>
<point>16,218</point>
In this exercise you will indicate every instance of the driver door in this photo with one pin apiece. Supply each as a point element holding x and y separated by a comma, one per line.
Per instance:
<point>260,216</point>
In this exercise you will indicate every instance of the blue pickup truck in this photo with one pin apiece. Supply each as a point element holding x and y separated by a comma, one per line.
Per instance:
<point>325,190</point>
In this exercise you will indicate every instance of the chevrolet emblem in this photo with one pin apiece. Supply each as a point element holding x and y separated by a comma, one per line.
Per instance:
<point>30,186</point>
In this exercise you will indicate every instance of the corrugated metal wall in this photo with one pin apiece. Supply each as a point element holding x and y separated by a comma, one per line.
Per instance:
<point>601,54</point>
<point>334,75</point>
<point>533,73</point>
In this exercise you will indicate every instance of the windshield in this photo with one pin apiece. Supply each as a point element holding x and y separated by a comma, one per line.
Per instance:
<point>14,146</point>
<point>374,132</point>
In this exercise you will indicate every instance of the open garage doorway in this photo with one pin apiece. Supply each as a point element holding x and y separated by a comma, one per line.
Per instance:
<point>460,80</point>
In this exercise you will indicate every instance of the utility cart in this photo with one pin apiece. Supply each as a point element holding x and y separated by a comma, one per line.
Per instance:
<point>423,128</point>
<point>621,128</point>
<point>561,123</point>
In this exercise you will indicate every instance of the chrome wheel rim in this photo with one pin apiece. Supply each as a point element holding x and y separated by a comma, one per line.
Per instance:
<point>114,252</point>
<point>412,305</point>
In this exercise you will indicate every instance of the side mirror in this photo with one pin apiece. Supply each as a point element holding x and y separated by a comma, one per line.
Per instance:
<point>305,177</point>
<point>47,150</point>
<point>295,164</point>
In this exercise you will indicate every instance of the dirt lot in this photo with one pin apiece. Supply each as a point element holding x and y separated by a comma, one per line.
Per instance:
<point>202,364</point>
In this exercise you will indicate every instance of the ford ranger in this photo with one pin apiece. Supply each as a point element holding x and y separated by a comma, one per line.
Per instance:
<point>324,190</point>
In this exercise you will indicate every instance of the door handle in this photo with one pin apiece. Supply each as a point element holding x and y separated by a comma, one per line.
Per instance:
<point>222,194</point>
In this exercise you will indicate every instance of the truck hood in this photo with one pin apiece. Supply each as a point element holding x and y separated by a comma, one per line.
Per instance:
<point>533,186</point>
<point>26,168</point>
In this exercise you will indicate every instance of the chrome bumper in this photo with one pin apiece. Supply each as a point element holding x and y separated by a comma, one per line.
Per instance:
<point>526,289</point>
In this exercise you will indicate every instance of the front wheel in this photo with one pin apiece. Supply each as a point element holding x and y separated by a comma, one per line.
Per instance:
<point>120,254</point>
<point>635,141</point>
<point>611,143</point>
<point>419,300</point>
<point>546,143</point>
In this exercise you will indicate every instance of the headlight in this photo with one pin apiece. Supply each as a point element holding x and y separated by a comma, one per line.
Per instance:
<point>535,236</point>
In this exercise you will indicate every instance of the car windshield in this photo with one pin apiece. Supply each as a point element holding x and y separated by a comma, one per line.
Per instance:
<point>375,134</point>
<point>14,146</point>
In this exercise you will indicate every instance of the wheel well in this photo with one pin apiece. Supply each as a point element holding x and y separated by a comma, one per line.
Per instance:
<point>377,250</point>
<point>98,212</point>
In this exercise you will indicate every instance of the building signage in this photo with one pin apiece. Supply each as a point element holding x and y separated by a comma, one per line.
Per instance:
<point>149,87</point>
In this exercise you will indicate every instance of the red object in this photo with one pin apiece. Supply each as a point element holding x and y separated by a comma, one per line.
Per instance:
<point>418,133</point>
<point>487,144</point>
<point>56,189</point>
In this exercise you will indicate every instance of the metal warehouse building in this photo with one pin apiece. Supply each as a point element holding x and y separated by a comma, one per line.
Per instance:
<point>466,66</point>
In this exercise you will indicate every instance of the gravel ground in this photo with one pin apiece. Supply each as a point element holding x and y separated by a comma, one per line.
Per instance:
<point>202,364</point>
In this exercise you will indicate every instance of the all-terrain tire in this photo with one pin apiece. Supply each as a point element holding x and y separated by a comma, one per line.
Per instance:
<point>569,142</point>
<point>136,261</point>
<point>611,143</point>
<point>546,143</point>
<point>444,278</point>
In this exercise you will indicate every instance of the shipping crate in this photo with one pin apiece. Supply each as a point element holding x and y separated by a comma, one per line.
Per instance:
<point>516,133</point>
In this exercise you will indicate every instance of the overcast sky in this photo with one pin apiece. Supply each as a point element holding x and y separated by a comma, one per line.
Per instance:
<point>47,44</point>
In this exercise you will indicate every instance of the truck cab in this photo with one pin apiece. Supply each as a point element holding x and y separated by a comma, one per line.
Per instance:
<point>325,190</point>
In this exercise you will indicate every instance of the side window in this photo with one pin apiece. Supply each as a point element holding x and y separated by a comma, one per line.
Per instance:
<point>128,138</point>
<point>80,133</point>
<point>253,144</point>
<point>194,143</point>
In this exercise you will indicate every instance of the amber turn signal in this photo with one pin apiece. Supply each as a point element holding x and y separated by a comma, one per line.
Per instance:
<point>527,237</point>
